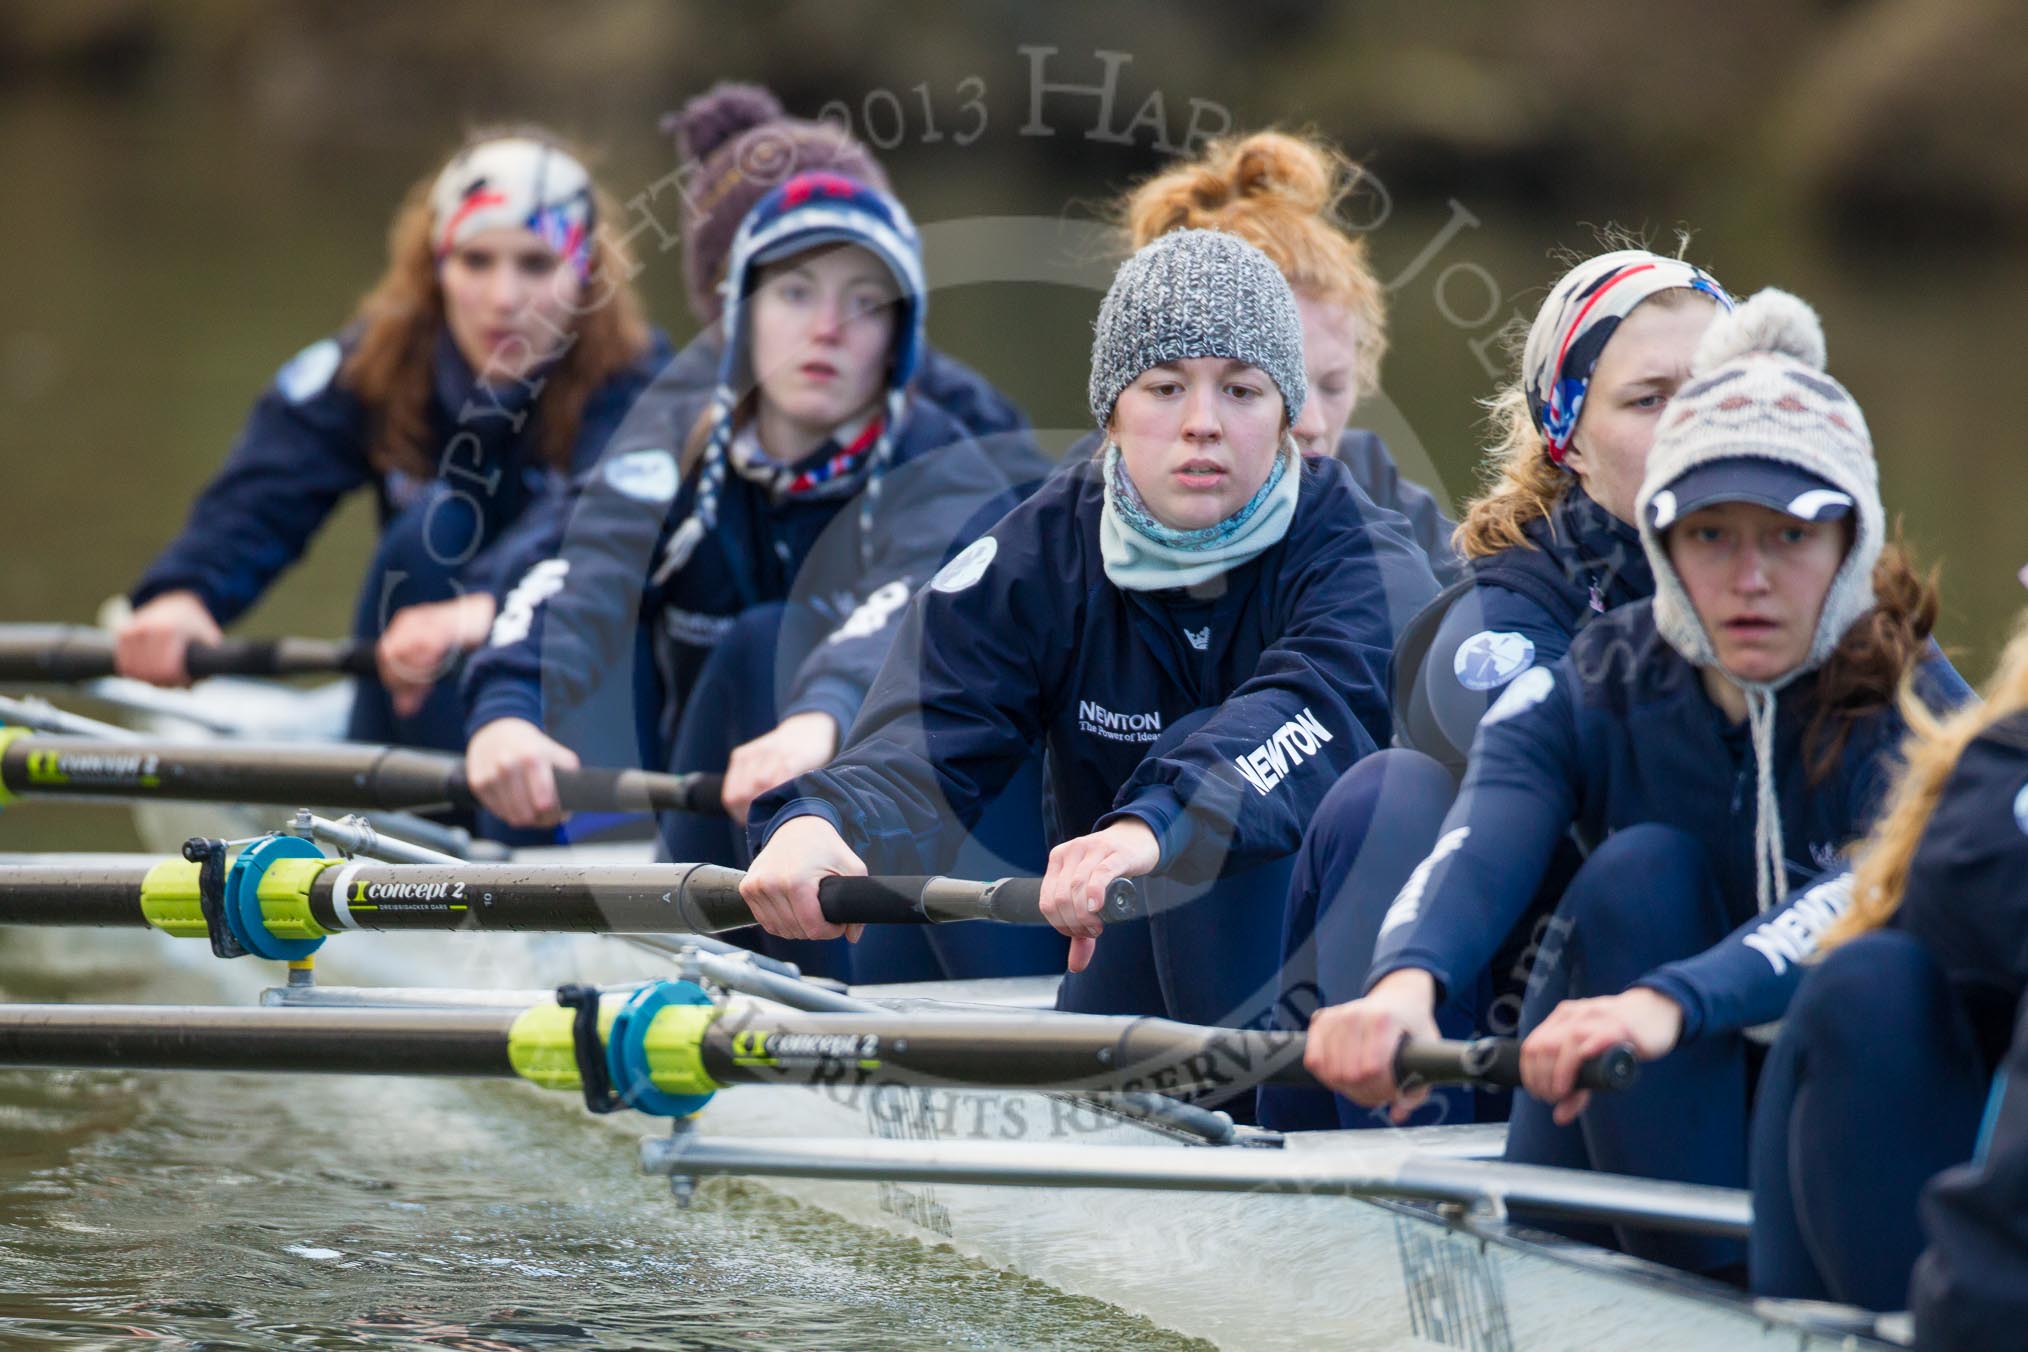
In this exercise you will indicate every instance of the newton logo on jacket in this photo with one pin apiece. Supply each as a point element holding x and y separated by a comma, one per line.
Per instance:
<point>1292,743</point>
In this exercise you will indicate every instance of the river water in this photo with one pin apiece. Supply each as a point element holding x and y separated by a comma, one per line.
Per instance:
<point>172,262</point>
<point>225,1211</point>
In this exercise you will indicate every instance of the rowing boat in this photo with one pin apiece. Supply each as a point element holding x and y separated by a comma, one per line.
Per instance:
<point>1256,1268</point>
<point>1260,1262</point>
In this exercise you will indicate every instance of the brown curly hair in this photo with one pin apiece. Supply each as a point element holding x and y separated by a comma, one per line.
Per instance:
<point>1865,673</point>
<point>1282,193</point>
<point>400,317</point>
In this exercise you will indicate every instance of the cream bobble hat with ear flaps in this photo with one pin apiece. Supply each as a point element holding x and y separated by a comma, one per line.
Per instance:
<point>1758,399</point>
<point>1758,391</point>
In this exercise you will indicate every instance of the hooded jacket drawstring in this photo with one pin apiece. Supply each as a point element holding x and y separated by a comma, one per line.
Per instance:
<point>1771,882</point>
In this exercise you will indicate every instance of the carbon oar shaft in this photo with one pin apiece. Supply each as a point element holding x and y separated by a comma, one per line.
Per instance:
<point>750,1045</point>
<point>199,1037</point>
<point>295,774</point>
<point>67,653</point>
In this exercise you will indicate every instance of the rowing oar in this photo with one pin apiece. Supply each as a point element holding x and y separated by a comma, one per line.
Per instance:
<point>686,1052</point>
<point>66,653</point>
<point>685,1049</point>
<point>281,897</point>
<point>292,774</point>
<point>666,1049</point>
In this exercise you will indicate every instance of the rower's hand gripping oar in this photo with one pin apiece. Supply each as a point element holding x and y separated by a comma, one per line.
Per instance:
<point>67,654</point>
<point>352,776</point>
<point>1496,1062</point>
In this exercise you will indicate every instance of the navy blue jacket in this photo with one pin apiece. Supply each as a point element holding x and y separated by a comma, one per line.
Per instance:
<point>1515,609</point>
<point>1379,478</point>
<point>1967,902</point>
<point>304,447</point>
<point>1023,641</point>
<point>1967,895</point>
<point>574,614</point>
<point>1969,1290</point>
<point>1620,732</point>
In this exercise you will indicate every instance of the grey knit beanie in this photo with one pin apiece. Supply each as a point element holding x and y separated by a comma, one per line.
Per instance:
<point>1760,421</point>
<point>1197,293</point>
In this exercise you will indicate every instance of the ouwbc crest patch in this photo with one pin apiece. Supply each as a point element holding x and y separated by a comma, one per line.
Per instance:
<point>307,374</point>
<point>2021,809</point>
<point>645,476</point>
<point>968,567</point>
<point>1491,658</point>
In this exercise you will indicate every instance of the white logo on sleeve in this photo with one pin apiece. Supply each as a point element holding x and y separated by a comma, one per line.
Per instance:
<point>1408,903</point>
<point>873,613</point>
<point>1791,935</point>
<point>1528,690</point>
<point>645,476</point>
<point>309,372</point>
<point>2021,809</point>
<point>968,567</point>
<point>517,612</point>
<point>1491,658</point>
<point>1292,743</point>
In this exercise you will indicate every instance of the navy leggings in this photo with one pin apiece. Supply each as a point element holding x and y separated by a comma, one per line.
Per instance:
<point>1644,898</point>
<point>1377,823</point>
<point>1874,1086</point>
<point>735,699</point>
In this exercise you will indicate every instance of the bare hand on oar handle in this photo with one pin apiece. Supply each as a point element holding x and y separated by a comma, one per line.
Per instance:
<point>799,744</point>
<point>1074,884</point>
<point>152,644</point>
<point>1351,1046</point>
<point>780,886</point>
<point>1579,1029</point>
<point>421,642</point>
<point>511,767</point>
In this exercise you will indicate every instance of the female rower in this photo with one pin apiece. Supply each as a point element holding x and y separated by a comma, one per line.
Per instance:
<point>775,553</point>
<point>1195,624</point>
<point>1707,749</point>
<point>1857,1112</point>
<point>1282,193</point>
<point>736,143</point>
<point>501,347</point>
<point>1548,548</point>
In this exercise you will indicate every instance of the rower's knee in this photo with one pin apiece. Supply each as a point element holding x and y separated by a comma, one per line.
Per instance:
<point>1644,897</point>
<point>1884,980</point>
<point>1387,797</point>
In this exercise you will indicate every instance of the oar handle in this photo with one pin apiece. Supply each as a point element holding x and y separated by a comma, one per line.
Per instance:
<point>600,790</point>
<point>278,657</point>
<point>932,900</point>
<point>1496,1062</point>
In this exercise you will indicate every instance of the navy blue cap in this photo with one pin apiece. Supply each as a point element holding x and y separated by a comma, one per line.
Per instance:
<point>1774,484</point>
